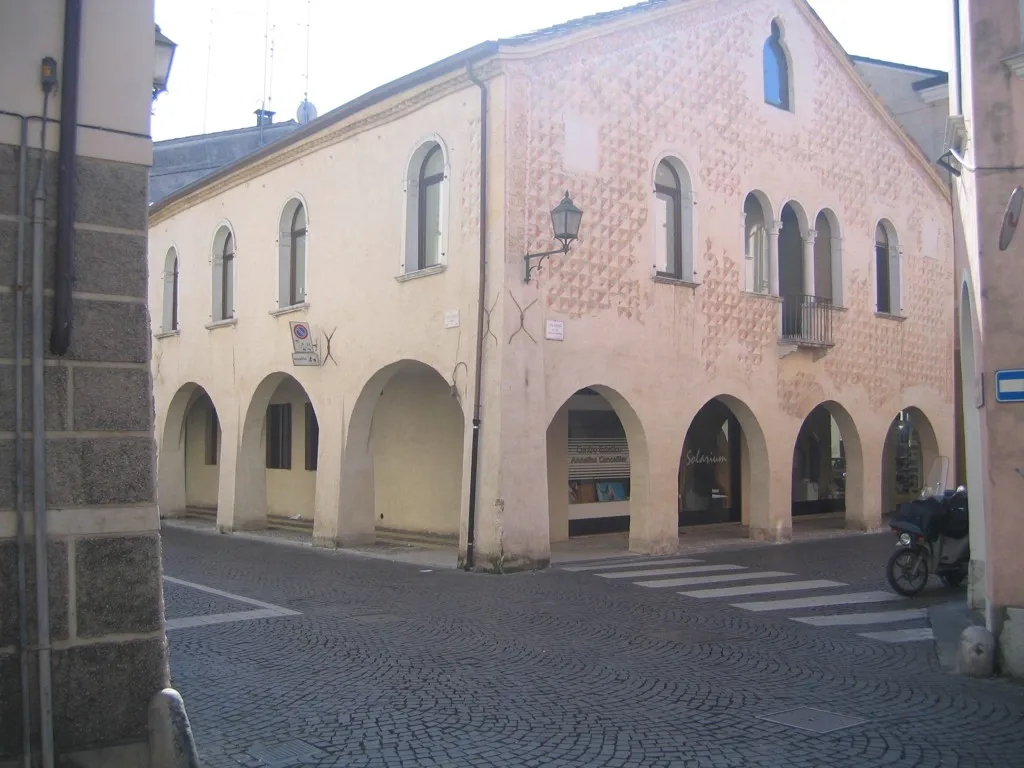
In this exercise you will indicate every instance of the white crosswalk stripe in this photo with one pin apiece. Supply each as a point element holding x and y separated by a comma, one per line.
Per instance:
<point>717,579</point>
<point>819,601</point>
<point>913,635</point>
<point>670,571</point>
<point>675,572</point>
<point>629,564</point>
<point>861,619</point>
<point>759,589</point>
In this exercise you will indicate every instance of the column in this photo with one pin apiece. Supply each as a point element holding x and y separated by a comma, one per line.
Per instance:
<point>864,474</point>
<point>771,491</point>
<point>344,487</point>
<point>654,497</point>
<point>773,257</point>
<point>809,289</point>
<point>558,475</point>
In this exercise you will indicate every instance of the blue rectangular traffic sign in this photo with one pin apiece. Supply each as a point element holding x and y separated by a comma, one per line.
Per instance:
<point>1010,386</point>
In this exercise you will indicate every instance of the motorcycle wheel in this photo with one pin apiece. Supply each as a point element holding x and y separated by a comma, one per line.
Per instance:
<point>907,571</point>
<point>953,579</point>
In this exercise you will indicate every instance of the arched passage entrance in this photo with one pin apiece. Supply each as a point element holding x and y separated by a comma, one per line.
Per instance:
<point>828,472</point>
<point>189,456</point>
<point>723,468</point>
<point>278,455</point>
<point>402,465</point>
<point>908,453</point>
<point>599,472</point>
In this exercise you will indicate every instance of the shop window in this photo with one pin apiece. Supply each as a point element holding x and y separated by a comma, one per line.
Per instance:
<point>598,457</point>
<point>279,436</point>
<point>709,469</point>
<point>211,442</point>
<point>312,438</point>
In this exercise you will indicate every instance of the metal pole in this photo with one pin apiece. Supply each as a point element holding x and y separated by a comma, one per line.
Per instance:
<point>19,447</point>
<point>39,458</point>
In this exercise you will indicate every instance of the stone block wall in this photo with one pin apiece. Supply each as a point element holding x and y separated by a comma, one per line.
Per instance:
<point>106,604</point>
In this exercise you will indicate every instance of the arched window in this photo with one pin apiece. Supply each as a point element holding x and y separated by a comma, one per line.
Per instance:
<point>887,269</point>
<point>776,70</point>
<point>223,275</point>
<point>756,266</point>
<point>170,309</point>
<point>292,255</point>
<point>828,258</point>
<point>426,190</point>
<point>673,218</point>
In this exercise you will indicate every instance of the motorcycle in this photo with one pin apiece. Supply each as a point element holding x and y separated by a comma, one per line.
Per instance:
<point>932,536</point>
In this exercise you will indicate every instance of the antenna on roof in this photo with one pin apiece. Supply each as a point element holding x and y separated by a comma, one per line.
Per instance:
<point>266,45</point>
<point>305,96</point>
<point>209,56</point>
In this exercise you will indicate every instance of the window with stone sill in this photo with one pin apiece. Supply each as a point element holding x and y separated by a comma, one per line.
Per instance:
<point>673,221</point>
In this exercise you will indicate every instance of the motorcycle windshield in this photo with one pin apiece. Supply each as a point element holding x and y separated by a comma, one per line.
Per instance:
<point>935,484</point>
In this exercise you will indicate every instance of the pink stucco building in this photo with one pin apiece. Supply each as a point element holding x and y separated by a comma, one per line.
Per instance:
<point>754,324</point>
<point>985,138</point>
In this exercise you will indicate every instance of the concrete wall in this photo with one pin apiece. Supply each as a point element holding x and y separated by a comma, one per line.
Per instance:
<point>417,439</point>
<point>988,282</point>
<point>106,609</point>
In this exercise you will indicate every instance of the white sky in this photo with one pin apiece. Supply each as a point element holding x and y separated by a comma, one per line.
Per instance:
<point>217,79</point>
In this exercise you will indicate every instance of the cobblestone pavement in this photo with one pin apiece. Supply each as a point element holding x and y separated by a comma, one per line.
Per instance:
<point>390,664</point>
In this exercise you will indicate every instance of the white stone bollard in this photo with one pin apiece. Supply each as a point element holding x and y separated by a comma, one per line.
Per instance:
<point>977,652</point>
<point>171,744</point>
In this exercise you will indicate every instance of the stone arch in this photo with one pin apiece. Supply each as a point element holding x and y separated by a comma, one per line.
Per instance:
<point>634,513</point>
<point>746,467</point>
<point>910,448</point>
<point>836,483</point>
<point>422,409</point>
<point>279,434</point>
<point>190,440</point>
<point>828,256</point>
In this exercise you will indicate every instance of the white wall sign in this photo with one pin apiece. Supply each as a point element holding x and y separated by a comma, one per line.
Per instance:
<point>451,318</point>
<point>554,330</point>
<point>305,358</point>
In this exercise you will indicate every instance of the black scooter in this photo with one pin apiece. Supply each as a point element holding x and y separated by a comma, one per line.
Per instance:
<point>932,536</point>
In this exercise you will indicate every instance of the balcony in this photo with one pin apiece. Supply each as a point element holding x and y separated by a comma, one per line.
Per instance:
<point>807,322</point>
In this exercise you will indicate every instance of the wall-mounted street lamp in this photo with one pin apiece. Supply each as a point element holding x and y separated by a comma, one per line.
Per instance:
<point>565,220</point>
<point>162,59</point>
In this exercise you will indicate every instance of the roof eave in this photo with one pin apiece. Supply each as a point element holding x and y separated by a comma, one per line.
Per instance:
<point>395,87</point>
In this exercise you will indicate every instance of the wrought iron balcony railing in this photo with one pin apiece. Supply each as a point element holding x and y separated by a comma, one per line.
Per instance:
<point>807,321</point>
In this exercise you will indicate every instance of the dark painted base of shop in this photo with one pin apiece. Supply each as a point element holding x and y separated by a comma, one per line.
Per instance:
<point>822,507</point>
<point>596,525</point>
<point>708,517</point>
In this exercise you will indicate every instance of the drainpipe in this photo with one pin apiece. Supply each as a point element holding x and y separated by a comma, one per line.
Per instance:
<point>958,79</point>
<point>60,337</point>
<point>474,459</point>
<point>19,446</point>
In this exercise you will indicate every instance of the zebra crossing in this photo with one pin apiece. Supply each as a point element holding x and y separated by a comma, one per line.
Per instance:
<point>773,592</point>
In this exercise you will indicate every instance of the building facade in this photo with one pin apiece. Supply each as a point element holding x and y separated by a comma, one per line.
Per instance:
<point>984,131</point>
<point>754,324</point>
<point>97,654</point>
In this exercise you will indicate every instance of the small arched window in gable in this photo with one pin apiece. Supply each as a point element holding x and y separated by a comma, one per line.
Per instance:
<point>426,192</point>
<point>223,275</point>
<point>673,217</point>
<point>292,238</point>
<point>169,322</point>
<point>776,70</point>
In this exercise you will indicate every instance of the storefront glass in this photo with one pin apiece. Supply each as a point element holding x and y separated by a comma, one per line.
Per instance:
<point>709,469</point>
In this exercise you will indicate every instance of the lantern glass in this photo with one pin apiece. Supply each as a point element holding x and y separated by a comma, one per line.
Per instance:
<point>163,56</point>
<point>565,220</point>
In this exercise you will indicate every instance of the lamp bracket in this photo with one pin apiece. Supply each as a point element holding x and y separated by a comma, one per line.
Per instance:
<point>540,258</point>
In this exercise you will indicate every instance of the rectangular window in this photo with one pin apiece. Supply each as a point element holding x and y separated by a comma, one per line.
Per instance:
<point>211,441</point>
<point>432,226</point>
<point>312,438</point>
<point>882,289</point>
<point>279,436</point>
